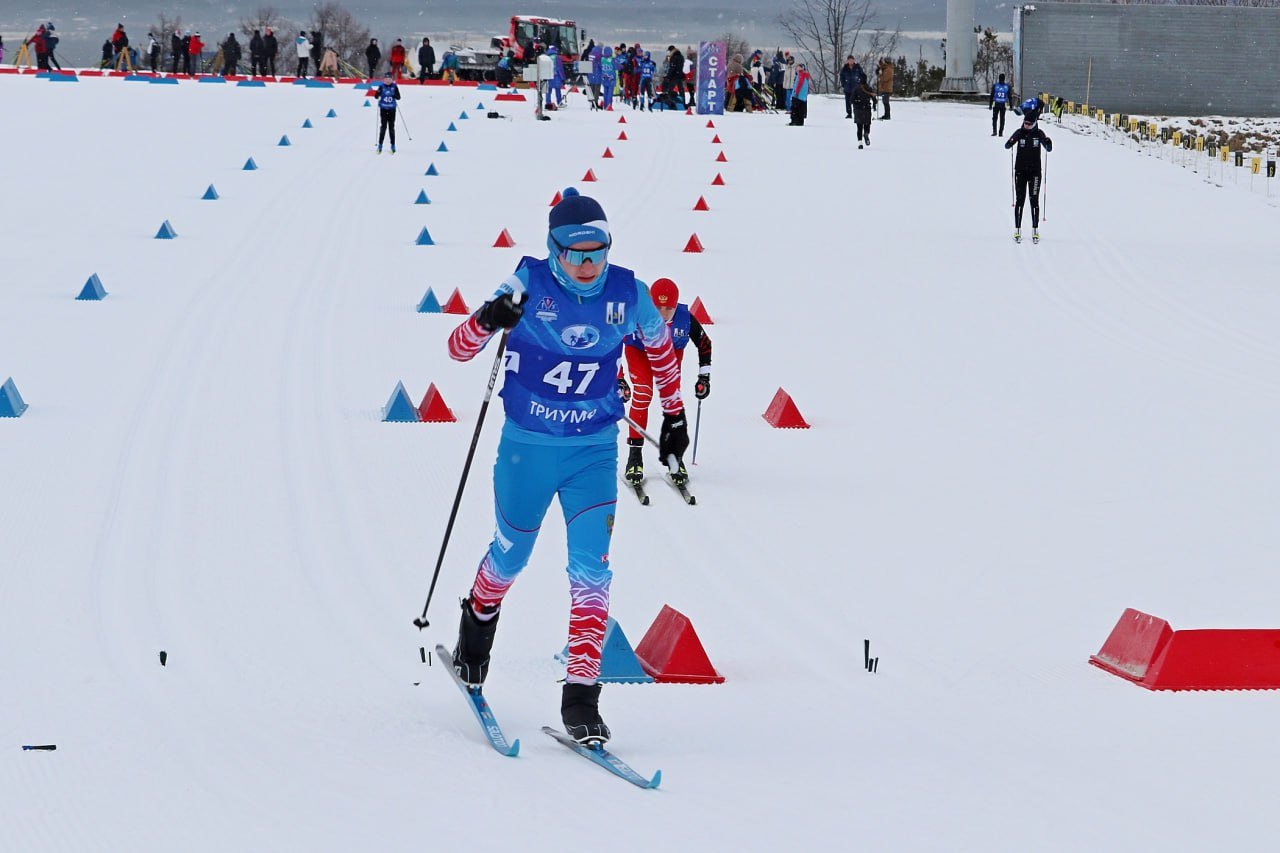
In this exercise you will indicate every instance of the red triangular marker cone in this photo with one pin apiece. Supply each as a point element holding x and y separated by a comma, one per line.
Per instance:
<point>715,140</point>
<point>433,409</point>
<point>710,123</point>
<point>694,244</point>
<point>701,204</point>
<point>455,305</point>
<point>783,414</point>
<point>622,135</point>
<point>504,240</point>
<point>589,176</point>
<point>607,155</point>
<point>718,181</point>
<point>622,119</point>
<point>720,158</point>
<point>699,312</point>
<point>555,200</point>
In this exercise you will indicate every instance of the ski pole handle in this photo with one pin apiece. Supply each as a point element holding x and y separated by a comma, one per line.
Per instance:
<point>672,463</point>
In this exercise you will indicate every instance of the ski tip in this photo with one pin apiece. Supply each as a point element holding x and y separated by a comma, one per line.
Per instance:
<point>656,780</point>
<point>644,501</point>
<point>514,750</point>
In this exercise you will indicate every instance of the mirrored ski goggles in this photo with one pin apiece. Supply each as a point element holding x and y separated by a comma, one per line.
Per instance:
<point>581,256</point>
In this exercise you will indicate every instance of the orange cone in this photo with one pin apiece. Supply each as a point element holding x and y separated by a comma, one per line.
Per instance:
<point>782,412</point>
<point>433,409</point>
<point>504,240</point>
<point>694,245</point>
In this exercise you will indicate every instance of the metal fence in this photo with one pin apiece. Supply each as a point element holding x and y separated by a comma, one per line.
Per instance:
<point>1158,60</point>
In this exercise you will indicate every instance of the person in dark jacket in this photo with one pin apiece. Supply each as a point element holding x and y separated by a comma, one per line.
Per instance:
<point>317,48</point>
<point>426,60</point>
<point>373,54</point>
<point>107,51</point>
<point>674,80</point>
<point>177,47</point>
<point>1026,166</point>
<point>852,78</point>
<point>230,55</point>
<point>256,50</point>
<point>153,52</point>
<point>863,100</point>
<point>270,47</point>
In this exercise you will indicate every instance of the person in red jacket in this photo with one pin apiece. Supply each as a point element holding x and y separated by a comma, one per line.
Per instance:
<point>37,44</point>
<point>195,50</point>
<point>397,59</point>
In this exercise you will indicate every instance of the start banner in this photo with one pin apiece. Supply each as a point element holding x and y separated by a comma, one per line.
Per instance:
<point>711,77</point>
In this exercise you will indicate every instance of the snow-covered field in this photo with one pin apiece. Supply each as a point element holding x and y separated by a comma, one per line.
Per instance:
<point>1010,445</point>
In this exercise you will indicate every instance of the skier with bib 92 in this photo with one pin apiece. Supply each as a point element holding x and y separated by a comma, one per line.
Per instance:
<point>388,94</point>
<point>1026,166</point>
<point>565,318</point>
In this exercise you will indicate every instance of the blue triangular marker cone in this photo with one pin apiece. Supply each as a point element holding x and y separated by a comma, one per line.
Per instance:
<point>92,290</point>
<point>284,140</point>
<point>431,170</point>
<point>331,113</point>
<point>464,115</point>
<point>249,165</point>
<point>451,129</point>
<point>429,304</point>
<point>424,239</point>
<point>366,103</point>
<point>399,409</point>
<point>307,123</point>
<point>480,105</point>
<point>443,147</point>
<point>11,404</point>
<point>210,194</point>
<point>166,231</point>
<point>422,198</point>
<point>618,661</point>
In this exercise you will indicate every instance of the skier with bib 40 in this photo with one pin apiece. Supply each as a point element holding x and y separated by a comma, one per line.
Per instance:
<point>565,318</point>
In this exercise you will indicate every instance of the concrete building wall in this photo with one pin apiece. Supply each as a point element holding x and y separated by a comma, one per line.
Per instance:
<point>1165,60</point>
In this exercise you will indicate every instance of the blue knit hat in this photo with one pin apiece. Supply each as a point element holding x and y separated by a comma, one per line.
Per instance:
<point>577,219</point>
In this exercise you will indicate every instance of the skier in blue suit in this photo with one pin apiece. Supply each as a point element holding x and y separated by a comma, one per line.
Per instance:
<point>608,78</point>
<point>388,94</point>
<point>999,103</point>
<point>560,437</point>
<point>556,85</point>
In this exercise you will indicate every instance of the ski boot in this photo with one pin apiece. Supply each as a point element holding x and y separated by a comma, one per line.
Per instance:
<point>634,473</point>
<point>379,147</point>
<point>580,712</point>
<point>393,148</point>
<point>475,640</point>
<point>1017,235</point>
<point>680,476</point>
<point>1035,235</point>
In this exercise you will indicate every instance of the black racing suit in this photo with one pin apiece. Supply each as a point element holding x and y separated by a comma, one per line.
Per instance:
<point>1026,169</point>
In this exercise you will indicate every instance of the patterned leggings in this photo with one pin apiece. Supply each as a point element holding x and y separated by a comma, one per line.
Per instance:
<point>525,479</point>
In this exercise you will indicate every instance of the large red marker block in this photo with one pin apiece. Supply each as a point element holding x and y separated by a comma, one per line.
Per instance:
<point>672,653</point>
<point>783,412</point>
<point>1144,649</point>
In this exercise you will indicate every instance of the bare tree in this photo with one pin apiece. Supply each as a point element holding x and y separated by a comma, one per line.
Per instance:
<point>267,17</point>
<point>993,59</point>
<point>827,31</point>
<point>342,32</point>
<point>883,45</point>
<point>735,44</point>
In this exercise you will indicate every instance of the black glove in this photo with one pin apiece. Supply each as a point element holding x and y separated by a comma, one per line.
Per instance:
<point>702,389</point>
<point>624,390</point>
<point>674,439</point>
<point>501,313</point>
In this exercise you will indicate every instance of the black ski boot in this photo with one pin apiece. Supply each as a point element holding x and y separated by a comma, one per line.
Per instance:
<point>475,640</point>
<point>634,473</point>
<point>580,711</point>
<point>681,475</point>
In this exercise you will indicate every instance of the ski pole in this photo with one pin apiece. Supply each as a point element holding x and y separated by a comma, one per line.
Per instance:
<point>1044,189</point>
<point>466,469</point>
<point>673,464</point>
<point>405,123</point>
<point>697,424</point>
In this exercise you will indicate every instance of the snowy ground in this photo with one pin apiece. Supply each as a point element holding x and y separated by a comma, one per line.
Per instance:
<point>1010,444</point>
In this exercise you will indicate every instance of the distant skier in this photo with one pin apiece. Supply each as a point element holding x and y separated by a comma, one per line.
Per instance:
<point>560,439</point>
<point>388,94</point>
<point>608,78</point>
<point>684,327</point>
<point>1026,167</point>
<point>556,84</point>
<point>647,70</point>
<point>999,102</point>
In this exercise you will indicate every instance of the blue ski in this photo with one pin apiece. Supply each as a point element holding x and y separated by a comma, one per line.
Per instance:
<point>605,759</point>
<point>480,707</point>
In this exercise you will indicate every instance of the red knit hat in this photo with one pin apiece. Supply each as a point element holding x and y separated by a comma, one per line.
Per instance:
<point>665,293</point>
